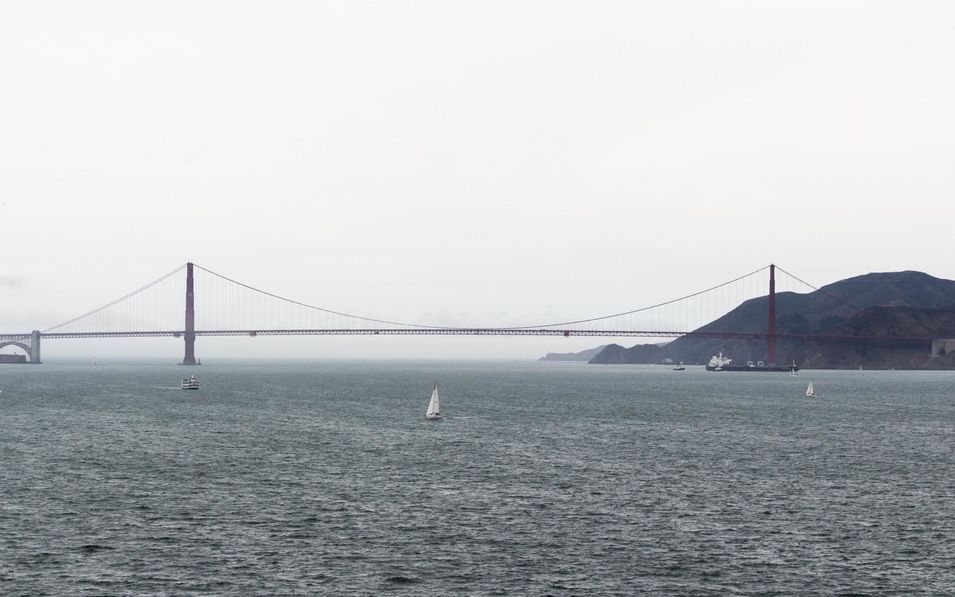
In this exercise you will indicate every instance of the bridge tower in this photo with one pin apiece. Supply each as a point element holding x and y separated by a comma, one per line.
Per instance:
<point>35,346</point>
<point>771,336</point>
<point>190,335</point>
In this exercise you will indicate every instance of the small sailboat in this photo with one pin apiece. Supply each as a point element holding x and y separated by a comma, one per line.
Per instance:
<point>434,407</point>
<point>810,392</point>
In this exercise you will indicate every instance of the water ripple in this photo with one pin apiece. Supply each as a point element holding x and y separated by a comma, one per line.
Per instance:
<point>543,479</point>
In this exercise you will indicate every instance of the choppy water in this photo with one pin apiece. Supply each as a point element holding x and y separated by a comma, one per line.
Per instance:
<point>543,479</point>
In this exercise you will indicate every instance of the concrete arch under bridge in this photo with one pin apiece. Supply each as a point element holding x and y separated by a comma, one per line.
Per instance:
<point>32,349</point>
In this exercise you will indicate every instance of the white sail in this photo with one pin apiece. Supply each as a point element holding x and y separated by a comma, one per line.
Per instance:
<point>810,391</point>
<point>434,407</point>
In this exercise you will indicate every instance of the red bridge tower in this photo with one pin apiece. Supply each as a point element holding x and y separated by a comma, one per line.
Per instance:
<point>190,335</point>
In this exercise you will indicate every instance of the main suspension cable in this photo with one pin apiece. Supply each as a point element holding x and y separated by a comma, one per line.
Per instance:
<point>670,302</point>
<point>819,290</point>
<point>119,300</point>
<point>322,309</point>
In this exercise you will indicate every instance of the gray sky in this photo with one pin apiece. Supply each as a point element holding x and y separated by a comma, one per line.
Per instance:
<point>484,162</point>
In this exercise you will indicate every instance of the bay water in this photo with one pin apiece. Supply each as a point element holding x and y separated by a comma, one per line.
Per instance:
<point>324,478</point>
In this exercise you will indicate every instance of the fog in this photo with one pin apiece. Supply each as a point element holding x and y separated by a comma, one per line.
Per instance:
<point>491,163</point>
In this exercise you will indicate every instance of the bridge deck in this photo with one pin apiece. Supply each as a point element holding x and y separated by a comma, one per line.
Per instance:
<point>477,332</point>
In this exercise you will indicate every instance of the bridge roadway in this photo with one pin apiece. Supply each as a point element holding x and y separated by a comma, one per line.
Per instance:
<point>31,342</point>
<point>473,332</point>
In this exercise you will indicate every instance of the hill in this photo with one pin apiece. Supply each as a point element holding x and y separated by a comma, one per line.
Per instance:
<point>583,355</point>
<point>900,304</point>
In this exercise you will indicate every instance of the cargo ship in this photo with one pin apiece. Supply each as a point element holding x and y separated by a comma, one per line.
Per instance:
<point>722,363</point>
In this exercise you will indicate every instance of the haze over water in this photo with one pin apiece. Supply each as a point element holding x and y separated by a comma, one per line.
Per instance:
<point>543,478</point>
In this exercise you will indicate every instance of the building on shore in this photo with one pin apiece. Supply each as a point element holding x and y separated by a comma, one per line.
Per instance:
<point>942,346</point>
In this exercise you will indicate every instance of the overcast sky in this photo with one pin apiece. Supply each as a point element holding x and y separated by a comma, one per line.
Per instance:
<point>493,162</point>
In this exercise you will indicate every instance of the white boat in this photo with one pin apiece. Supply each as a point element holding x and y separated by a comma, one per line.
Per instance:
<point>680,367</point>
<point>434,407</point>
<point>189,383</point>
<point>717,362</point>
<point>810,392</point>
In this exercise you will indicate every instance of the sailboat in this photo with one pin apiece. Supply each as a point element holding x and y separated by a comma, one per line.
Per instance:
<point>434,407</point>
<point>810,392</point>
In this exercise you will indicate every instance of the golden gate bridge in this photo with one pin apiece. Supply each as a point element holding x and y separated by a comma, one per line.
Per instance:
<point>193,301</point>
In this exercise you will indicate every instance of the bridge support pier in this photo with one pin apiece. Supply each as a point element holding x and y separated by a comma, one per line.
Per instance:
<point>190,335</point>
<point>771,337</point>
<point>35,347</point>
